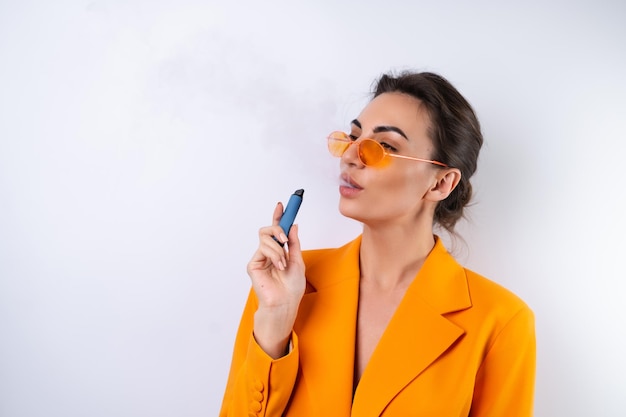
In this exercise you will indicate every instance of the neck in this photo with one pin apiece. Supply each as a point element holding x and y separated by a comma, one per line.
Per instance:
<point>391,256</point>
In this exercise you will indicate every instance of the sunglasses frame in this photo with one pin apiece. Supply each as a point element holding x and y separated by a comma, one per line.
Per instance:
<point>346,138</point>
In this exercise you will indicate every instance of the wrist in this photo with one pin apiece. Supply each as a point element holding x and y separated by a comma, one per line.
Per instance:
<point>272,330</point>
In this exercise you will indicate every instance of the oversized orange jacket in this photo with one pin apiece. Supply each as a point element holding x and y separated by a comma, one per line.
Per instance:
<point>458,345</point>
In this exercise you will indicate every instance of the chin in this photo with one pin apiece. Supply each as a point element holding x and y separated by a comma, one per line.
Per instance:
<point>350,211</point>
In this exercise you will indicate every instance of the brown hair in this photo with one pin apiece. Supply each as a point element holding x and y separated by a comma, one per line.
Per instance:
<point>454,131</point>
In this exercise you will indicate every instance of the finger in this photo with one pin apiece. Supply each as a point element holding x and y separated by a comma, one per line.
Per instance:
<point>295,252</point>
<point>267,244</point>
<point>276,232</point>
<point>258,262</point>
<point>278,213</point>
<point>262,260</point>
<point>273,251</point>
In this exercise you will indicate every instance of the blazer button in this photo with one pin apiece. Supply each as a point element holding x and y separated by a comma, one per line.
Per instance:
<point>258,385</point>
<point>255,406</point>
<point>257,396</point>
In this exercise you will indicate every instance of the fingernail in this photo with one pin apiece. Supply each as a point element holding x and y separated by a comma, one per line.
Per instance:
<point>283,238</point>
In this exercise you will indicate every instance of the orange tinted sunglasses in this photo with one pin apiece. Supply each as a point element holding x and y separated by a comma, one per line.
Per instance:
<point>371,153</point>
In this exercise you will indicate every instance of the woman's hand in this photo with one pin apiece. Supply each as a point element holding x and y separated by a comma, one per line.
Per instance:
<point>279,282</point>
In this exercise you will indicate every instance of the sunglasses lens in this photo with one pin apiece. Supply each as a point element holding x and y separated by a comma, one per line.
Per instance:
<point>338,142</point>
<point>371,153</point>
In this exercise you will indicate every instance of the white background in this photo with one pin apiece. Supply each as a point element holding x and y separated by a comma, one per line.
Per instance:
<point>143,143</point>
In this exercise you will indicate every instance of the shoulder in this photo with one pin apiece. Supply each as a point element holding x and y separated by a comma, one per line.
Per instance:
<point>484,291</point>
<point>495,307</point>
<point>481,301</point>
<point>449,286</point>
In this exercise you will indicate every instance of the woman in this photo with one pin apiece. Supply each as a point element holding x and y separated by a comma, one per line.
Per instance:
<point>389,324</point>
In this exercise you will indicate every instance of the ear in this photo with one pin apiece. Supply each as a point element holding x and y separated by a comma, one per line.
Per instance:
<point>446,181</point>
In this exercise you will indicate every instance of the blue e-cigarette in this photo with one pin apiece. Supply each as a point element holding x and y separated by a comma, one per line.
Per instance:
<point>289,215</point>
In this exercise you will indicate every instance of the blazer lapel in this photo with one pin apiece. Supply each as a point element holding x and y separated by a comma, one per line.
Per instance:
<point>417,334</point>
<point>327,327</point>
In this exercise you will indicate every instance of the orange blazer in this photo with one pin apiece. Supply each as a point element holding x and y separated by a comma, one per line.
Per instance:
<point>458,345</point>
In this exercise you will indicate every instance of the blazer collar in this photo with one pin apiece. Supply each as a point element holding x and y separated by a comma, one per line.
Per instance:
<point>441,282</point>
<point>416,336</point>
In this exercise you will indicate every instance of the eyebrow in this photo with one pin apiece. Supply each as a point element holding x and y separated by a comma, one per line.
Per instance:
<point>380,129</point>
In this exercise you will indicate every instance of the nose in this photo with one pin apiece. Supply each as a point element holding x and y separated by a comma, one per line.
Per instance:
<point>351,154</point>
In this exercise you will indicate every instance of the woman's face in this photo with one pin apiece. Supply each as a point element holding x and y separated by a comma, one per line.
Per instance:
<point>395,193</point>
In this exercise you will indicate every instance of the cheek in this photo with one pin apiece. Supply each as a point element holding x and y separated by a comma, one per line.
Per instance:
<point>412,182</point>
<point>393,192</point>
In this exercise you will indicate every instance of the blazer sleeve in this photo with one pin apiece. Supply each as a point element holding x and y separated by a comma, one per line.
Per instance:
<point>257,384</point>
<point>506,378</point>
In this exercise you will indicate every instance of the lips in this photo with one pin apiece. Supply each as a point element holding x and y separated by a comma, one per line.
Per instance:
<point>347,181</point>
